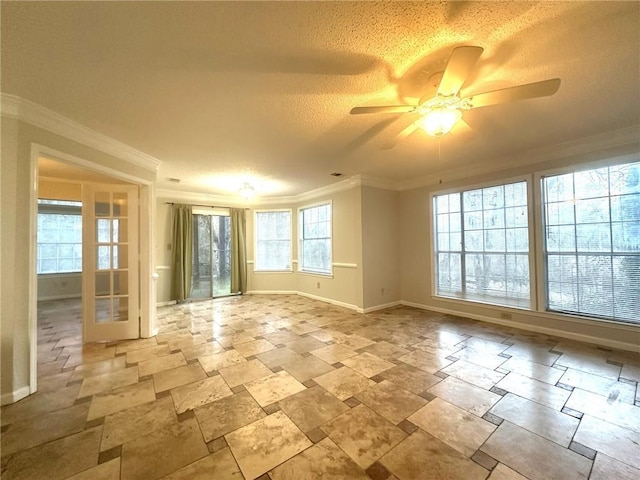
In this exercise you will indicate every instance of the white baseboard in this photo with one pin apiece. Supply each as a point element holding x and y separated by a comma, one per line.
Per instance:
<point>165,304</point>
<point>12,397</point>
<point>271,292</point>
<point>382,306</point>
<point>331,301</point>
<point>531,328</point>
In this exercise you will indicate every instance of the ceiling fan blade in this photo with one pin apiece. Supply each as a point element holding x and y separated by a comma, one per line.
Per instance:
<point>384,109</point>
<point>545,88</point>
<point>460,64</point>
<point>401,136</point>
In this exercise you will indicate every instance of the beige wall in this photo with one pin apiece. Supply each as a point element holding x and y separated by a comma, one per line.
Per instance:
<point>380,247</point>
<point>416,261</point>
<point>17,238</point>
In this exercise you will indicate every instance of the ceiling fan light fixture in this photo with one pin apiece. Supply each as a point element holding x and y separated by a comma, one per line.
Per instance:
<point>440,120</point>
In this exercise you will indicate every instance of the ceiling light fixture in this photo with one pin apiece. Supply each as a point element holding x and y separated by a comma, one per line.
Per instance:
<point>247,191</point>
<point>441,113</point>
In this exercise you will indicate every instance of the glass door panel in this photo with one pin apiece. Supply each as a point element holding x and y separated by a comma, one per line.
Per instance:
<point>211,267</point>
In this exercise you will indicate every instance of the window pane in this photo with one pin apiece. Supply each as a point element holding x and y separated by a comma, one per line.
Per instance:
<point>593,256</point>
<point>488,273</point>
<point>315,239</point>
<point>273,240</point>
<point>59,237</point>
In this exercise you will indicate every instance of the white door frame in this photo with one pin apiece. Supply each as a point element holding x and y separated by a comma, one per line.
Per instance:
<point>146,220</point>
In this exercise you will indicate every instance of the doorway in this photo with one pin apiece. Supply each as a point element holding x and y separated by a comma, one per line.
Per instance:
<point>211,267</point>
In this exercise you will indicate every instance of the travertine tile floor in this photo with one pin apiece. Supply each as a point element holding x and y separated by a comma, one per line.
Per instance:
<point>287,388</point>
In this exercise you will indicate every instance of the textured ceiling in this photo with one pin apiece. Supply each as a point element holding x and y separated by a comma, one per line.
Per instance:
<point>223,92</point>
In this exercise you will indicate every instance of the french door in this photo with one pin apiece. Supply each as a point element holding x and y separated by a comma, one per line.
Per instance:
<point>211,268</point>
<point>110,292</point>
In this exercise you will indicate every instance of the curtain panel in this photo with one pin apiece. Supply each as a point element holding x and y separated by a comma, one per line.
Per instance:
<point>238,251</point>
<point>182,252</point>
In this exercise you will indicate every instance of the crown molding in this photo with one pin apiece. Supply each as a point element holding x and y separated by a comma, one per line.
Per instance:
<point>583,146</point>
<point>12,106</point>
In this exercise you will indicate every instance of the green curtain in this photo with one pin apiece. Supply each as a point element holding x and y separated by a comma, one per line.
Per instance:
<point>182,252</point>
<point>238,251</point>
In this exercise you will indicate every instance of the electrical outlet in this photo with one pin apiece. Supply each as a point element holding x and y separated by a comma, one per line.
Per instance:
<point>505,316</point>
<point>382,291</point>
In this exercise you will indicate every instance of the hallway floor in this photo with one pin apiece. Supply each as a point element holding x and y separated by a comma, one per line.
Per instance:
<point>288,388</point>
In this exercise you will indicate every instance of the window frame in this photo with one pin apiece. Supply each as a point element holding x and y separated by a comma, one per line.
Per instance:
<point>256,266</point>
<point>461,188</point>
<point>541,261</point>
<point>300,262</point>
<point>537,257</point>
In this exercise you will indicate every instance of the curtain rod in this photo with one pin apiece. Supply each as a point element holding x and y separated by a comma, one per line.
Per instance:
<point>199,205</point>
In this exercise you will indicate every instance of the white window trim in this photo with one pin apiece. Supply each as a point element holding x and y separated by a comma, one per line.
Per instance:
<point>300,239</point>
<point>255,241</point>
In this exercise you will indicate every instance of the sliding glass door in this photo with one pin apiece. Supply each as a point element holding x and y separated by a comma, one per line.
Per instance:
<point>211,272</point>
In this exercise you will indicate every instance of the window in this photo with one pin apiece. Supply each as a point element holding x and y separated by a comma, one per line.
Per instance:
<point>59,234</point>
<point>482,245</point>
<point>315,239</point>
<point>273,240</point>
<point>592,242</point>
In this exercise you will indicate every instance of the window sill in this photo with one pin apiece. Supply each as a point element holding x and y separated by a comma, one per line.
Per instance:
<point>272,271</point>
<point>316,274</point>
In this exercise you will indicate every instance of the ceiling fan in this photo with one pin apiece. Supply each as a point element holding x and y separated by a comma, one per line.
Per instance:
<point>440,113</point>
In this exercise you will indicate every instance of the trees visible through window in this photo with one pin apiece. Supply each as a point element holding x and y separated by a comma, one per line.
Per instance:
<point>592,242</point>
<point>482,245</point>
<point>59,237</point>
<point>273,240</point>
<point>315,239</point>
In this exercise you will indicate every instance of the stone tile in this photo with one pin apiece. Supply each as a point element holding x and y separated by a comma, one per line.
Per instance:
<point>344,382</point>
<point>456,427</point>
<point>273,388</point>
<point>410,378</point>
<point>421,452</point>
<point>138,344</point>
<point>173,447</point>
<point>307,368</point>
<point>537,371</point>
<point>589,363</point>
<point>120,399</point>
<point>429,362</point>
<point>155,365</point>
<point>129,424</point>
<point>323,460</point>
<point>202,350</point>
<point>312,407</point>
<point>469,397</point>
<point>612,440</point>
<point>53,383</point>
<point>244,372</point>
<point>108,381</point>
<point>481,358</point>
<point>354,342</point>
<point>386,351</point>
<point>44,428</point>
<point>529,352</point>
<point>176,377</point>
<point>219,466</point>
<point>105,471</point>
<point>228,414</point>
<point>98,368</point>
<point>612,389</point>
<point>216,361</point>
<point>367,364</point>
<point>137,356</point>
<point>305,345</point>
<point>630,372</point>
<point>537,418</point>
<point>266,443</point>
<point>535,390</point>
<point>534,456</point>
<point>39,404</point>
<point>234,339</point>
<point>186,342</point>
<point>249,349</point>
<point>388,400</point>
<point>56,460</point>
<point>502,472</point>
<point>279,356</point>
<point>363,435</point>
<point>474,374</point>
<point>333,353</point>
<point>87,354</point>
<point>199,393</point>
<point>606,468</point>
<point>621,414</point>
<point>281,336</point>
<point>483,345</point>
